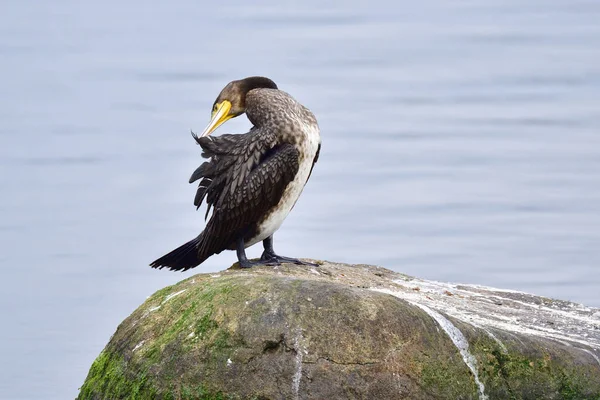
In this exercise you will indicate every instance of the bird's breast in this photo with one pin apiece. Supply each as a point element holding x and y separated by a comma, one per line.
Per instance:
<point>307,143</point>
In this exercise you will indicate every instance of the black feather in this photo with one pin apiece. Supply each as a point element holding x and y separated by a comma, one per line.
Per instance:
<point>200,193</point>
<point>182,258</point>
<point>203,170</point>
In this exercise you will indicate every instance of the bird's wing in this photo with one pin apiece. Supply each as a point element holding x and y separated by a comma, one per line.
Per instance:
<point>237,213</point>
<point>231,159</point>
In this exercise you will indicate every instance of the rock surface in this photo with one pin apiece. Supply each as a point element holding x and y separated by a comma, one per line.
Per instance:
<point>341,331</point>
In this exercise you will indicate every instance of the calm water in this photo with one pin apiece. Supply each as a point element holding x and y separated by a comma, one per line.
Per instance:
<point>461,142</point>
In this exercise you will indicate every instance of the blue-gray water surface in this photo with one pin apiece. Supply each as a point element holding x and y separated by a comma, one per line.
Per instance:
<point>461,142</point>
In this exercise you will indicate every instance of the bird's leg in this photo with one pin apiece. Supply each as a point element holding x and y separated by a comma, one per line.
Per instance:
<point>243,260</point>
<point>269,254</point>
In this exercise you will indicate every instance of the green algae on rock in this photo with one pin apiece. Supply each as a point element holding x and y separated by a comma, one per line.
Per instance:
<point>347,332</point>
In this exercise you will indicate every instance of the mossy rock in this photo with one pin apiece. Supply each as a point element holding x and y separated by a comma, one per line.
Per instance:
<point>332,332</point>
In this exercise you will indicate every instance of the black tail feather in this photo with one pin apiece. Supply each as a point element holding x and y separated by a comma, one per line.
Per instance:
<point>182,258</point>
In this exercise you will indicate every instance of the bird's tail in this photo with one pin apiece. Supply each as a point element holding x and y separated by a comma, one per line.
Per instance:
<point>182,258</point>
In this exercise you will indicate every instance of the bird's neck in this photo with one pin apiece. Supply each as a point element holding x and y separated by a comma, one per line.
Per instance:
<point>269,108</point>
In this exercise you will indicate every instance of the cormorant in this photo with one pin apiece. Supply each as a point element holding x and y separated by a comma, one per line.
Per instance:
<point>250,180</point>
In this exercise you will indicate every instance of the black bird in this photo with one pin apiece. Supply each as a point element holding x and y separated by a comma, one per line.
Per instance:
<point>251,180</point>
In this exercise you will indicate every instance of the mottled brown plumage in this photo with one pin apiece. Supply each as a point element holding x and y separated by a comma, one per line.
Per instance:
<point>250,181</point>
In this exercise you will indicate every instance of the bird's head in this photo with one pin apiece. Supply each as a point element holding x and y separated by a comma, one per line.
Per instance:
<point>231,102</point>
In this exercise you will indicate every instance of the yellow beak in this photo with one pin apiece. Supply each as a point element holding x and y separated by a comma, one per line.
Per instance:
<point>220,115</point>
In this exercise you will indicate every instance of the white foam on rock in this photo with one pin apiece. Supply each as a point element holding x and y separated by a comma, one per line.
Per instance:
<point>593,355</point>
<point>137,346</point>
<point>298,373</point>
<point>170,296</point>
<point>167,298</point>
<point>509,313</point>
<point>504,310</point>
<point>498,341</point>
<point>460,342</point>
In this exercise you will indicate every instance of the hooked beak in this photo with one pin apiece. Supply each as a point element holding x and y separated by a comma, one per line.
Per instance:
<point>220,115</point>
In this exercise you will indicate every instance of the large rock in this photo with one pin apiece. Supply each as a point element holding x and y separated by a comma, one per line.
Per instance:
<point>347,332</point>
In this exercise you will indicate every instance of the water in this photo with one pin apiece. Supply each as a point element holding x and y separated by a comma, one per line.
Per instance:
<point>460,143</point>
